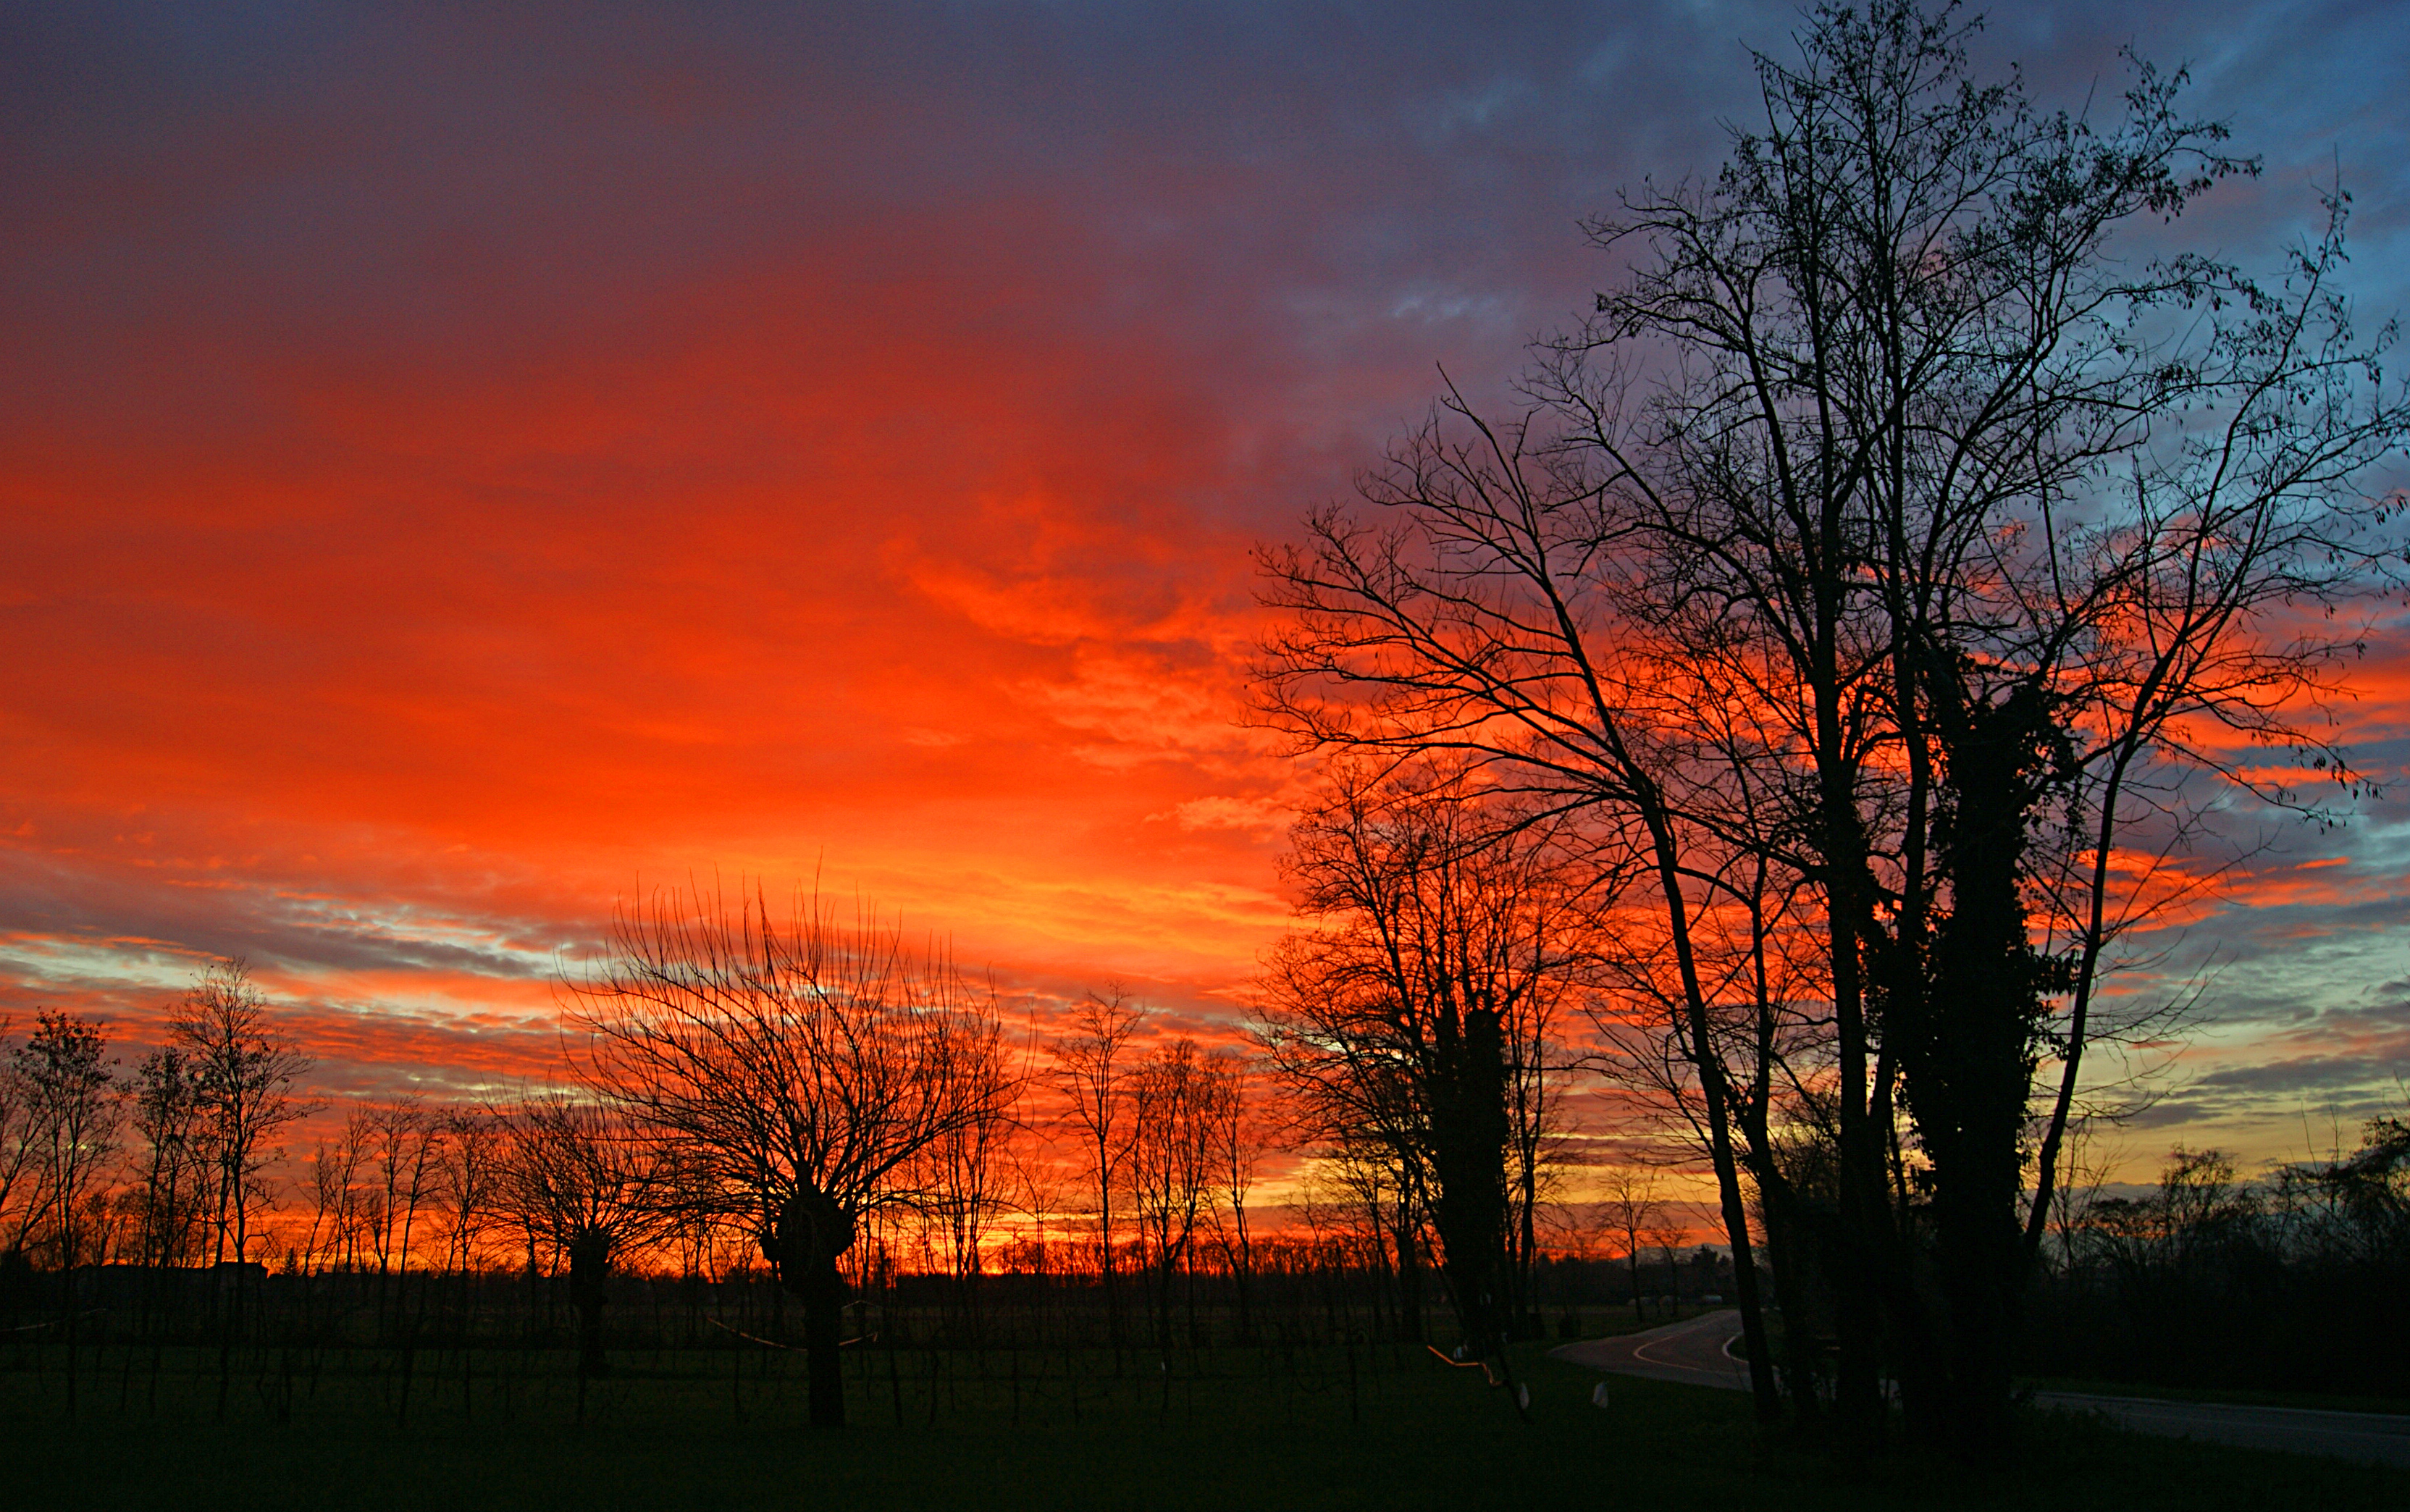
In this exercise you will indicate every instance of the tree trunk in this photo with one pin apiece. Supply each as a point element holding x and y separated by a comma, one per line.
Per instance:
<point>1470,1132</point>
<point>1786,1246</point>
<point>589,1269</point>
<point>1968,1050</point>
<point>1708,1062</point>
<point>824,1299</point>
<point>805,1239</point>
<point>1410,1276</point>
<point>1863,1248</point>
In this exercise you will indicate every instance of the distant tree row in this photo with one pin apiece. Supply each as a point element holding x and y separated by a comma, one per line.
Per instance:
<point>204,1111</point>
<point>2298,1280</point>
<point>744,1087</point>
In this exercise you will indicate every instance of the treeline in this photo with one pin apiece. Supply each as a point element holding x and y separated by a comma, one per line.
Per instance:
<point>203,1113</point>
<point>2296,1281</point>
<point>848,1132</point>
<point>754,1101</point>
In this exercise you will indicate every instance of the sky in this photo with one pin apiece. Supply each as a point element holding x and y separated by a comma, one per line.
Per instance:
<point>467,467</point>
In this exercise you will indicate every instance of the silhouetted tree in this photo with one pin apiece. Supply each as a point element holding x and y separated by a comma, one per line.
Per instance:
<point>243,1071</point>
<point>468,1183</point>
<point>1881,474</point>
<point>166,1105</point>
<point>801,1066</point>
<point>20,1165</point>
<point>964,1174</point>
<point>587,1185</point>
<point>1235,1137</point>
<point>1442,921</point>
<point>72,1116</point>
<point>1630,1211</point>
<point>337,1222</point>
<point>405,1153</point>
<point>1173,1106</point>
<point>1089,1072</point>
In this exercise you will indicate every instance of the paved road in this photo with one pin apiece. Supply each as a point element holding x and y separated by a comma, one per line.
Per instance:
<point>1692,1353</point>
<point>2370,1437</point>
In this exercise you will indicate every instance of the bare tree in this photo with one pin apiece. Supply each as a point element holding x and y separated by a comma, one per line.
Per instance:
<point>20,1170</point>
<point>1486,622</point>
<point>1444,919</point>
<point>588,1185</point>
<point>72,1118</point>
<point>72,1115</point>
<point>1535,1071</point>
<point>1630,1211</point>
<point>1964,505</point>
<point>1089,1072</point>
<point>1172,1097</point>
<point>963,1167</point>
<point>1878,444</point>
<point>405,1151</point>
<point>1668,1233</point>
<point>167,1117</point>
<point>802,1067</point>
<point>1041,1189</point>
<point>468,1182</point>
<point>1236,1136</point>
<point>244,1069</point>
<point>337,1223</point>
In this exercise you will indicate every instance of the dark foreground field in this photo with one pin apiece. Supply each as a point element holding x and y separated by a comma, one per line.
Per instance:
<point>1235,1429</point>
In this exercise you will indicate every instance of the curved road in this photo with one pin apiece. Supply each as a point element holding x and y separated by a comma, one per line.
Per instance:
<point>1693,1353</point>
<point>1689,1353</point>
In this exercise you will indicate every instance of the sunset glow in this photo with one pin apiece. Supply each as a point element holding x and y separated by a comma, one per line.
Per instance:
<point>459,476</point>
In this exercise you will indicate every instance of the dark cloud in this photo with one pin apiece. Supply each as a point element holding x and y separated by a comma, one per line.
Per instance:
<point>2313,1073</point>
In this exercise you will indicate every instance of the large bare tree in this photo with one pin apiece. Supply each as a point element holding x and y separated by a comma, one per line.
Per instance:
<point>1983,517</point>
<point>583,1181</point>
<point>1886,486</point>
<point>803,1065</point>
<point>1442,927</point>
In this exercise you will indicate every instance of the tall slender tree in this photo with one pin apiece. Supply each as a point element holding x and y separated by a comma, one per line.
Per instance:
<point>964,1170</point>
<point>72,1118</point>
<point>1172,1097</point>
<point>1092,1074</point>
<point>166,1108</point>
<point>244,1070</point>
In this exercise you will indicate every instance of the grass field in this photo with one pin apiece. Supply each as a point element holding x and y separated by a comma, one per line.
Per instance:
<point>1233,1429</point>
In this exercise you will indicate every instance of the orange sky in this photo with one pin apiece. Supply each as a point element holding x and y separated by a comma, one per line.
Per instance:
<point>457,473</point>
